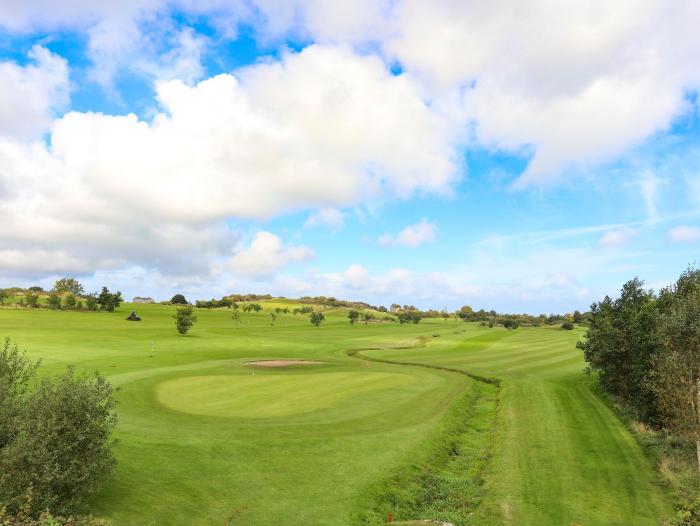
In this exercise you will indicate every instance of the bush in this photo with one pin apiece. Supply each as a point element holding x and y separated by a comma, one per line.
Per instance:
<point>688,515</point>
<point>109,301</point>
<point>32,300</point>
<point>70,301</point>
<point>54,301</point>
<point>316,318</point>
<point>91,302</point>
<point>57,448</point>
<point>567,326</point>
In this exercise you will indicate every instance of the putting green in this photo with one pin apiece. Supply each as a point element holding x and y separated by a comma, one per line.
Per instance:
<point>269,395</point>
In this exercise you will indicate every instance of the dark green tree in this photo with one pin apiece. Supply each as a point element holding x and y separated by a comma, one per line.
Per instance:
<point>54,301</point>
<point>178,299</point>
<point>108,301</point>
<point>316,318</point>
<point>184,319</point>
<point>353,316</point>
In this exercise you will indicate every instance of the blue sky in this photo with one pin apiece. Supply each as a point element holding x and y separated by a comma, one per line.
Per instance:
<point>438,154</point>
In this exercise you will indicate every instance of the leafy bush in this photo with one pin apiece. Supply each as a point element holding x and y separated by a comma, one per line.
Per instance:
<point>55,447</point>
<point>54,301</point>
<point>178,299</point>
<point>316,318</point>
<point>567,326</point>
<point>688,515</point>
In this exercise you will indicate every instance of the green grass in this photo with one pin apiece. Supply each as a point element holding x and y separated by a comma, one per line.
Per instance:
<point>206,439</point>
<point>562,456</point>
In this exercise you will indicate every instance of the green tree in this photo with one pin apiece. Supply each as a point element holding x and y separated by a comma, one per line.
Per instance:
<point>236,317</point>
<point>316,318</point>
<point>184,319</point>
<point>68,285</point>
<point>178,299</point>
<point>33,300</point>
<point>675,375</point>
<point>567,326</point>
<point>273,317</point>
<point>578,317</point>
<point>109,301</point>
<point>3,295</point>
<point>91,302</point>
<point>70,301</point>
<point>54,301</point>
<point>353,316</point>
<point>62,452</point>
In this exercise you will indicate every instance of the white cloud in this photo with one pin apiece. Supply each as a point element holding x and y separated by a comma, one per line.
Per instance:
<point>113,190</point>
<point>30,94</point>
<point>618,237</point>
<point>412,236</point>
<point>684,234</point>
<point>332,218</point>
<point>266,255</point>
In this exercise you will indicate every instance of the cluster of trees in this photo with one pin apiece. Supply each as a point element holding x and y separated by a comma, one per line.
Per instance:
<point>646,349</point>
<point>513,321</point>
<point>55,439</point>
<point>67,294</point>
<point>334,302</point>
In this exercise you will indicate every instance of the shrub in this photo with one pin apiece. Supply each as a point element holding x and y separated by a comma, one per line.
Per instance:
<point>316,318</point>
<point>184,319</point>
<point>688,515</point>
<point>109,301</point>
<point>567,326</point>
<point>54,301</point>
<point>91,302</point>
<point>59,449</point>
<point>33,300</point>
<point>70,301</point>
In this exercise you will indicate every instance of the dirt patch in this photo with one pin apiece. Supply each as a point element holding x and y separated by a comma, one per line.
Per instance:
<point>282,363</point>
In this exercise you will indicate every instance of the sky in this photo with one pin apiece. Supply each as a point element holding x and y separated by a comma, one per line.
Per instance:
<point>522,156</point>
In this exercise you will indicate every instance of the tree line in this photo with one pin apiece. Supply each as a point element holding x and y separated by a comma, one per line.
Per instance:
<point>66,294</point>
<point>645,347</point>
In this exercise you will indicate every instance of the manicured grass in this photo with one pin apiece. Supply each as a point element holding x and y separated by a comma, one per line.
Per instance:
<point>205,438</point>
<point>562,456</point>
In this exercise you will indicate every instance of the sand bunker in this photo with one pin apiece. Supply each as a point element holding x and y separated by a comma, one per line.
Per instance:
<point>282,363</point>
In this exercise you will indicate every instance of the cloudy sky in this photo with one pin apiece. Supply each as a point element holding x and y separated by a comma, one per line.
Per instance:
<point>515,155</point>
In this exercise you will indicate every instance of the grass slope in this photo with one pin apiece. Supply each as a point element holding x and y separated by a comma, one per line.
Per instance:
<point>562,455</point>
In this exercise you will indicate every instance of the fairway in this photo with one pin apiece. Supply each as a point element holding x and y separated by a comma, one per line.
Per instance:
<point>206,438</point>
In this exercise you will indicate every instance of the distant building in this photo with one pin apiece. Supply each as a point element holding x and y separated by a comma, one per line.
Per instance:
<point>139,299</point>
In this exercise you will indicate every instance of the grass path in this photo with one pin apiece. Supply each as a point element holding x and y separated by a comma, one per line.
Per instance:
<point>562,457</point>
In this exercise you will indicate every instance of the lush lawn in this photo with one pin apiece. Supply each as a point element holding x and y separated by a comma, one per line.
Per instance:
<point>561,456</point>
<point>204,438</point>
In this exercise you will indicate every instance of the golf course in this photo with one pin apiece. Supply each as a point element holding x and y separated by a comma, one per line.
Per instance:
<point>284,423</point>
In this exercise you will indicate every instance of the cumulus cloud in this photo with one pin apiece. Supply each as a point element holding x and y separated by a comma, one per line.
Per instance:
<point>30,94</point>
<point>618,237</point>
<point>268,140</point>
<point>412,236</point>
<point>266,254</point>
<point>684,234</point>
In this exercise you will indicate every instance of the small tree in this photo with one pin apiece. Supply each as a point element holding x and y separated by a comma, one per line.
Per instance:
<point>316,318</point>
<point>353,316</point>
<point>70,301</point>
<point>236,317</point>
<point>367,317</point>
<point>3,295</point>
<point>109,301</point>
<point>69,285</point>
<point>54,301</point>
<point>33,300</point>
<point>91,302</point>
<point>567,326</point>
<point>16,373</point>
<point>273,317</point>
<point>184,319</point>
<point>178,299</point>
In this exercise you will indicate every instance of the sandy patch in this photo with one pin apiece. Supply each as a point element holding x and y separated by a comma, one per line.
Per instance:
<point>282,363</point>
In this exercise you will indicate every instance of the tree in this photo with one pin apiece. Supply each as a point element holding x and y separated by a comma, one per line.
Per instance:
<point>33,300</point>
<point>35,288</point>
<point>675,375</point>
<point>68,285</point>
<point>109,301</point>
<point>236,316</point>
<point>465,313</point>
<point>62,451</point>
<point>578,317</point>
<point>273,317</point>
<point>184,319</point>
<point>54,301</point>
<point>367,317</point>
<point>510,323</point>
<point>3,295</point>
<point>178,299</point>
<point>70,301</point>
<point>409,316</point>
<point>250,307</point>
<point>91,302</point>
<point>353,316</point>
<point>316,318</point>
<point>567,326</point>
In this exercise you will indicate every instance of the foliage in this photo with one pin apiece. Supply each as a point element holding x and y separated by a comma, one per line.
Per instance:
<point>32,300</point>
<point>3,295</point>
<point>353,316</point>
<point>316,318</point>
<point>178,299</point>
<point>70,301</point>
<point>184,319</point>
<point>688,515</point>
<point>36,288</point>
<point>273,318</point>
<point>567,326</point>
<point>54,301</point>
<point>252,307</point>
<point>91,302</point>
<point>58,451</point>
<point>236,316</point>
<point>69,285</point>
<point>409,316</point>
<point>510,324</point>
<point>109,301</point>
